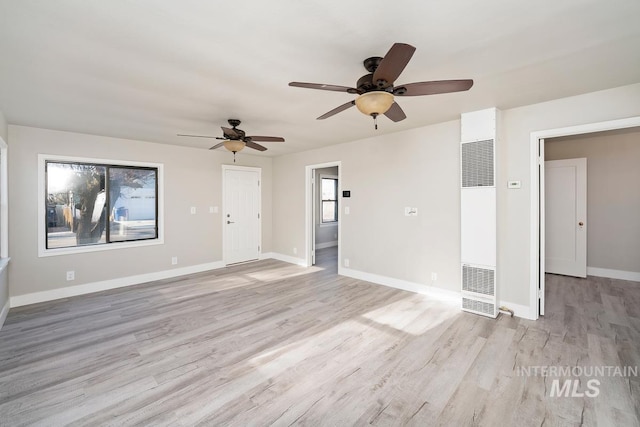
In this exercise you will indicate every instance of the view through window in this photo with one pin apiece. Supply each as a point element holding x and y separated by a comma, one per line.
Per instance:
<point>329,200</point>
<point>95,204</point>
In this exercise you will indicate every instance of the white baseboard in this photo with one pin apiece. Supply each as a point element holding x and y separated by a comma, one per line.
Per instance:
<point>445,295</point>
<point>4,313</point>
<point>285,258</point>
<point>523,311</point>
<point>327,244</point>
<point>440,294</point>
<point>634,276</point>
<point>87,288</point>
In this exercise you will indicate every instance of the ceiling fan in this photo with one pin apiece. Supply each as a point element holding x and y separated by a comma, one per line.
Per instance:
<point>376,90</point>
<point>235,140</point>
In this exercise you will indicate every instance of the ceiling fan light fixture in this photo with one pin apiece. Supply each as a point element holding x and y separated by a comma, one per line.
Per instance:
<point>233,145</point>
<point>374,103</point>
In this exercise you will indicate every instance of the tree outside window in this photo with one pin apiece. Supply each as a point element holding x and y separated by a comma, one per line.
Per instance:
<point>95,204</point>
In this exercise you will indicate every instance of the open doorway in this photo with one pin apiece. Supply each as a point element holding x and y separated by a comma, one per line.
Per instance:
<point>323,192</point>
<point>538,223</point>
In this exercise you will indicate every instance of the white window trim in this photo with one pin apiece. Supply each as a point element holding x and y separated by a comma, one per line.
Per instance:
<point>42,247</point>
<point>332,223</point>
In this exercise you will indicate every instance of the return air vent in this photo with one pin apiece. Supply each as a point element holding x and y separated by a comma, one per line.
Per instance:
<point>478,280</point>
<point>477,164</point>
<point>479,307</point>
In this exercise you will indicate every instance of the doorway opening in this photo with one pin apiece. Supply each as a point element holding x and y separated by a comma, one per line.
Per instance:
<point>538,229</point>
<point>323,218</point>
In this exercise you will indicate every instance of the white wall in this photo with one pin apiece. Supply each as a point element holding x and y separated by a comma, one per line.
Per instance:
<point>192,177</point>
<point>326,234</point>
<point>613,194</point>
<point>416,168</point>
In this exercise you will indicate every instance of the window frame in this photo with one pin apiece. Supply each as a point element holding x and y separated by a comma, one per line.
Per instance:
<point>43,251</point>
<point>322,221</point>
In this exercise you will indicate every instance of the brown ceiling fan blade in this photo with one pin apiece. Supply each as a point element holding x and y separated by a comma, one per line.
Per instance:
<point>266,138</point>
<point>322,86</point>
<point>199,136</point>
<point>393,64</point>
<point>337,110</point>
<point>231,132</point>
<point>255,146</point>
<point>217,146</point>
<point>395,113</point>
<point>433,88</point>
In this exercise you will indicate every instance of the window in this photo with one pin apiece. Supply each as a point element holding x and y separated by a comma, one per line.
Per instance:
<point>90,205</point>
<point>329,199</point>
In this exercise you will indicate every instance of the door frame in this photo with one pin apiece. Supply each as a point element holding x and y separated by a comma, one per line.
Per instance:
<point>537,230</point>
<point>224,198</point>
<point>310,212</point>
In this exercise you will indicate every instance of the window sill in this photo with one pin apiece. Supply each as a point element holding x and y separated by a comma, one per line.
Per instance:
<point>98,248</point>
<point>329,224</point>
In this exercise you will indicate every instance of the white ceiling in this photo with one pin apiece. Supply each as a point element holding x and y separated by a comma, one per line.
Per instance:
<point>149,69</point>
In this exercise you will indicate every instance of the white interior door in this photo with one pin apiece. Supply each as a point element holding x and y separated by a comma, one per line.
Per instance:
<point>565,189</point>
<point>241,214</point>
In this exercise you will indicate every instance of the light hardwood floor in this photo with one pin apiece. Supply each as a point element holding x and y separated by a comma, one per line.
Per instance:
<point>272,343</point>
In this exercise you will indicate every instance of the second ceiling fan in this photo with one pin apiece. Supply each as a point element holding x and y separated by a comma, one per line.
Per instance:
<point>376,90</point>
<point>235,139</point>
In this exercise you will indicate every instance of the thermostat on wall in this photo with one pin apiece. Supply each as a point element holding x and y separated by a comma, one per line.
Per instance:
<point>513,184</point>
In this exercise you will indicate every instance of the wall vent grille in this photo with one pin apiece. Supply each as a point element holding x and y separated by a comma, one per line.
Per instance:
<point>479,307</point>
<point>477,164</point>
<point>478,280</point>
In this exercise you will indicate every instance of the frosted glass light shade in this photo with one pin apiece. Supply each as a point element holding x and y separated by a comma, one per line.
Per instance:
<point>233,145</point>
<point>374,103</point>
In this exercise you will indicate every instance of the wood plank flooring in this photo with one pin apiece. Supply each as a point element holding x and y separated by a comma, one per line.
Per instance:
<point>270,343</point>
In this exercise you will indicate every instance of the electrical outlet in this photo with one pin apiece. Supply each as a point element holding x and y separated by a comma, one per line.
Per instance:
<point>346,262</point>
<point>347,211</point>
<point>174,260</point>
<point>434,277</point>
<point>71,275</point>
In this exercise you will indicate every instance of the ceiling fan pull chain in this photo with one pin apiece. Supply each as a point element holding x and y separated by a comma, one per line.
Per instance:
<point>375,121</point>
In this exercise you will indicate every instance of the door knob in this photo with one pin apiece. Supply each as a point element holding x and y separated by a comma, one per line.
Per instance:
<point>581,224</point>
